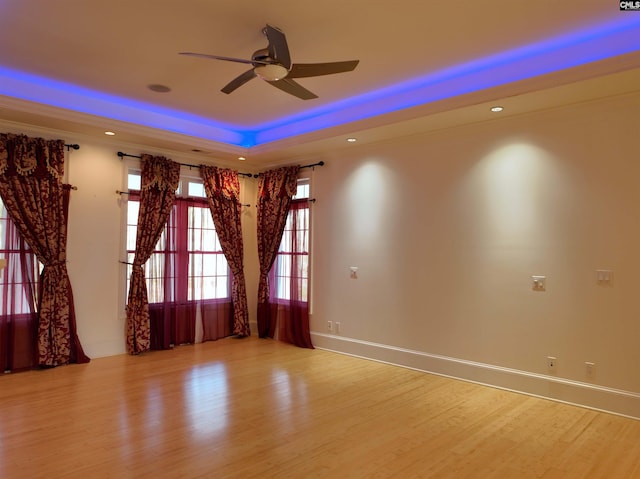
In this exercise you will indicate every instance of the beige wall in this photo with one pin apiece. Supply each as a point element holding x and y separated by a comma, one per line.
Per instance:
<point>446,229</point>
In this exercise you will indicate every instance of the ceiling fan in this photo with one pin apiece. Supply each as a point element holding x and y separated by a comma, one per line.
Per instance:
<point>273,64</point>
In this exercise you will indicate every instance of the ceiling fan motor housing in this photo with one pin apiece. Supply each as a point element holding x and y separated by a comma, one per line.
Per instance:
<point>261,56</point>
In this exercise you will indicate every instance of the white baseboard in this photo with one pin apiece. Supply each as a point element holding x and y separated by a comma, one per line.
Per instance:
<point>625,403</point>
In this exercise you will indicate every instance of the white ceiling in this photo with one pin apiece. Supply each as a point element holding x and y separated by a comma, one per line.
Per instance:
<point>416,67</point>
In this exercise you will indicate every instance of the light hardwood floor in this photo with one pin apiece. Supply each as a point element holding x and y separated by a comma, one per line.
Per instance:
<point>260,408</point>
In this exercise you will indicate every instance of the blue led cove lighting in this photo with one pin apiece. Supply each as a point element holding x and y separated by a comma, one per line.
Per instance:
<point>570,50</point>
<point>603,41</point>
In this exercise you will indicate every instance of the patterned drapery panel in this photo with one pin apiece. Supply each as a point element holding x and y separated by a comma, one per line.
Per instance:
<point>160,177</point>
<point>31,172</point>
<point>275,190</point>
<point>223,192</point>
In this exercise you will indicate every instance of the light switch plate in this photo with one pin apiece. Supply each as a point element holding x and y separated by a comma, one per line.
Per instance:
<point>539,283</point>
<point>604,277</point>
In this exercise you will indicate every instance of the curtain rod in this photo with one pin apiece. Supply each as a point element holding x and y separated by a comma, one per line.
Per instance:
<point>320,163</point>
<point>122,155</point>
<point>118,192</point>
<point>73,146</point>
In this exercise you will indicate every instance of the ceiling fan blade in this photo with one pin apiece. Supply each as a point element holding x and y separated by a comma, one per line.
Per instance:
<point>278,48</point>
<point>239,81</point>
<point>301,70</point>
<point>218,57</point>
<point>293,88</point>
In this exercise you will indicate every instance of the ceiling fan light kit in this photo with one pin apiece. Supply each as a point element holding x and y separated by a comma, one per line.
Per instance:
<point>273,64</point>
<point>271,72</point>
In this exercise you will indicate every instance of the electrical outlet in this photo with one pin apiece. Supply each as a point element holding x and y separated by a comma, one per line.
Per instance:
<point>604,277</point>
<point>590,369</point>
<point>330,326</point>
<point>337,327</point>
<point>539,283</point>
<point>552,363</point>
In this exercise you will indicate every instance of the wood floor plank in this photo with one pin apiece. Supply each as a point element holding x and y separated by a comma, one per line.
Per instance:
<point>260,408</point>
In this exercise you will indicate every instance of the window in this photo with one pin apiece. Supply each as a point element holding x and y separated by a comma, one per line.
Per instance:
<point>188,263</point>
<point>17,289</point>
<point>290,272</point>
<point>18,299</point>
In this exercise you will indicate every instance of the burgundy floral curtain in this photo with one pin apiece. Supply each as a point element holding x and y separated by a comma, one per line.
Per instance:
<point>31,172</point>
<point>223,192</point>
<point>275,190</point>
<point>160,177</point>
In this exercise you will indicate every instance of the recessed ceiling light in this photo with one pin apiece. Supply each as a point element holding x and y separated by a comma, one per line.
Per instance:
<point>352,140</point>
<point>241,158</point>
<point>496,109</point>
<point>159,88</point>
<point>109,133</point>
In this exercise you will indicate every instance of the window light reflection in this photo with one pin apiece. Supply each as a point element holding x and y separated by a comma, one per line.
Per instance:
<point>206,400</point>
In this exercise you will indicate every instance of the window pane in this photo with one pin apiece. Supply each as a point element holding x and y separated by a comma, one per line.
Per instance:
<point>207,220</point>
<point>155,291</point>
<point>196,189</point>
<point>196,290</point>
<point>134,179</point>
<point>222,286</point>
<point>284,263</point>
<point>210,263</point>
<point>302,241</point>
<point>195,217</point>
<point>131,237</point>
<point>286,243</point>
<point>302,191</point>
<point>195,265</point>
<point>222,267</point>
<point>132,212</point>
<point>210,241</point>
<point>3,232</point>
<point>283,287</point>
<point>195,240</point>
